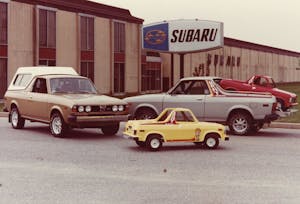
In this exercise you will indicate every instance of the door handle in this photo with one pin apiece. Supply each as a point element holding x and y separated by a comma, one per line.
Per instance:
<point>199,99</point>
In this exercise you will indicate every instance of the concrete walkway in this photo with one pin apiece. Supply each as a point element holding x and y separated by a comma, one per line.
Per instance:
<point>272,125</point>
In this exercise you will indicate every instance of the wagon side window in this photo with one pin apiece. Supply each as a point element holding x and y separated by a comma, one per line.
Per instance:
<point>40,86</point>
<point>22,80</point>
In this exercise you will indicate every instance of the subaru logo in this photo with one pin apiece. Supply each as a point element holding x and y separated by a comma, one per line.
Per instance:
<point>155,37</point>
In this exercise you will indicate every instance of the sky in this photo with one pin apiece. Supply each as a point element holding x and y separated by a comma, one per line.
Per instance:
<point>274,23</point>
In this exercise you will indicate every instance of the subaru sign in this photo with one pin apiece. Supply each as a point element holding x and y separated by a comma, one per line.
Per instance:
<point>183,36</point>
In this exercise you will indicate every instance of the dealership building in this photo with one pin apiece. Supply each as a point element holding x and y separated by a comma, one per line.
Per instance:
<point>104,43</point>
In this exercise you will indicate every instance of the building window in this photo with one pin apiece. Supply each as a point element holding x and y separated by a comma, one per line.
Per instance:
<point>119,78</point>
<point>47,28</point>
<point>151,76</point>
<point>87,70</point>
<point>87,33</point>
<point>3,48</point>
<point>47,37</point>
<point>87,46</point>
<point>119,57</point>
<point>3,23</point>
<point>47,62</point>
<point>119,37</point>
<point>3,76</point>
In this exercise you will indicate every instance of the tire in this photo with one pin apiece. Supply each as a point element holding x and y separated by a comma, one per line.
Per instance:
<point>240,123</point>
<point>17,122</point>
<point>211,141</point>
<point>140,143</point>
<point>145,113</point>
<point>58,127</point>
<point>281,104</point>
<point>154,142</point>
<point>111,129</point>
<point>256,127</point>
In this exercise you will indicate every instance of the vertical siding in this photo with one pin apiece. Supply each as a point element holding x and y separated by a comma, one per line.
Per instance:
<point>20,36</point>
<point>67,39</point>
<point>103,55</point>
<point>252,62</point>
<point>133,55</point>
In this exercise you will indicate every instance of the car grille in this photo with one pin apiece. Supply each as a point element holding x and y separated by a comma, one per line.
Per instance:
<point>103,108</point>
<point>294,100</point>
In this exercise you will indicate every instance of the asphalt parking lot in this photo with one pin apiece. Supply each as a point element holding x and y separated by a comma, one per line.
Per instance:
<point>89,167</point>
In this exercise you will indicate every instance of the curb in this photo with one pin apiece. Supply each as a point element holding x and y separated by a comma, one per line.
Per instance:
<point>285,125</point>
<point>3,114</point>
<point>272,125</point>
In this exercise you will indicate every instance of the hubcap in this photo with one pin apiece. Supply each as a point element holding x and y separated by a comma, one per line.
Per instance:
<point>155,143</point>
<point>56,125</point>
<point>240,125</point>
<point>211,142</point>
<point>14,118</point>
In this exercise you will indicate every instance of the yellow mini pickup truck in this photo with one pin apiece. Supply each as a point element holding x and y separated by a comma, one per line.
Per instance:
<point>174,125</point>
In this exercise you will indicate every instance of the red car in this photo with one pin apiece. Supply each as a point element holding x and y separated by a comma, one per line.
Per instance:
<point>259,83</point>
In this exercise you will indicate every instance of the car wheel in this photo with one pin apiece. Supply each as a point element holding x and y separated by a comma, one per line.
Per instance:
<point>17,122</point>
<point>240,123</point>
<point>140,143</point>
<point>281,105</point>
<point>145,113</point>
<point>154,142</point>
<point>211,141</point>
<point>58,127</point>
<point>111,129</point>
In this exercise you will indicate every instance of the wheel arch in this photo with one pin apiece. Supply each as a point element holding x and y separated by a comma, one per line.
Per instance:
<point>155,133</point>
<point>13,103</point>
<point>56,109</point>
<point>145,106</point>
<point>214,133</point>
<point>239,109</point>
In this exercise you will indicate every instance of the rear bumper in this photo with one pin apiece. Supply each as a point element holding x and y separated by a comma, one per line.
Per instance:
<point>271,117</point>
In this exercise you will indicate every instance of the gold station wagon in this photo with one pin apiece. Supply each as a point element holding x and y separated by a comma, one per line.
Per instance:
<point>63,99</point>
<point>175,125</point>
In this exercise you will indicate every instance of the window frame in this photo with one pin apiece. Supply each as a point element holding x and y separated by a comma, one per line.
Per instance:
<point>48,26</point>
<point>119,36</point>
<point>5,39</point>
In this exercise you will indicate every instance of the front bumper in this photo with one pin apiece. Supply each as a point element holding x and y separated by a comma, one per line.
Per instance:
<point>129,136</point>
<point>96,121</point>
<point>286,113</point>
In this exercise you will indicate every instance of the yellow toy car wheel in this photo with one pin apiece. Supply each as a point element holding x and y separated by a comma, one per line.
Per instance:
<point>154,142</point>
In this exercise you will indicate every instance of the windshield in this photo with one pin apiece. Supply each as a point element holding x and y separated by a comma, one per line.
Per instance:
<point>72,85</point>
<point>272,83</point>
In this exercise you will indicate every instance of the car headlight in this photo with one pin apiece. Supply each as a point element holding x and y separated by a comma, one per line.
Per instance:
<point>115,108</point>
<point>88,108</point>
<point>121,108</point>
<point>80,109</point>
